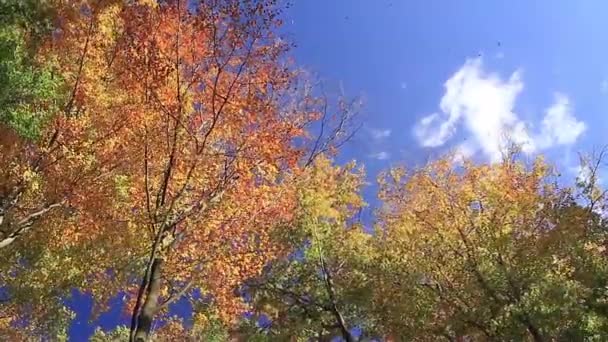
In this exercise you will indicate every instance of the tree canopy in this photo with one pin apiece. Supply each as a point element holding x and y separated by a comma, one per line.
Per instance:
<point>165,151</point>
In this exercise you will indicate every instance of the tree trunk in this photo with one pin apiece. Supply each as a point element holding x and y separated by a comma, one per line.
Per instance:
<point>329,285</point>
<point>148,310</point>
<point>535,333</point>
<point>343,329</point>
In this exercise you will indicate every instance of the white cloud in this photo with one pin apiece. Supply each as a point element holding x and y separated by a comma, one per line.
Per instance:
<point>483,103</point>
<point>560,127</point>
<point>463,151</point>
<point>383,155</point>
<point>431,132</point>
<point>379,134</point>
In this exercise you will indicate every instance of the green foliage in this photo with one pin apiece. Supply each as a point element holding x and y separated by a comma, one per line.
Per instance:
<point>120,333</point>
<point>324,240</point>
<point>30,91</point>
<point>212,330</point>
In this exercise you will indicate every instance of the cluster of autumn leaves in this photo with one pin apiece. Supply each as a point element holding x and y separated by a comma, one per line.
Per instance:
<point>160,151</point>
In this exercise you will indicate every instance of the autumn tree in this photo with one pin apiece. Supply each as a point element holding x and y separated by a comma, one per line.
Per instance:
<point>315,291</point>
<point>488,252</point>
<point>56,183</point>
<point>54,134</point>
<point>169,148</point>
<point>28,96</point>
<point>205,146</point>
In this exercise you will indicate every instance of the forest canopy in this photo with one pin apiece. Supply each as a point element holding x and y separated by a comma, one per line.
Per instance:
<point>171,151</point>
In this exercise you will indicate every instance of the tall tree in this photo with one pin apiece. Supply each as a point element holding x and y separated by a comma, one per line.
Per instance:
<point>57,146</point>
<point>315,291</point>
<point>487,252</point>
<point>171,152</point>
<point>205,148</point>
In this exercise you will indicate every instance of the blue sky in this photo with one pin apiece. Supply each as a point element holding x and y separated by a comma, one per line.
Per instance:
<point>535,70</point>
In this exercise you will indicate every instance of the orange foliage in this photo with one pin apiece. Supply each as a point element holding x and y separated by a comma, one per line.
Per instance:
<point>199,145</point>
